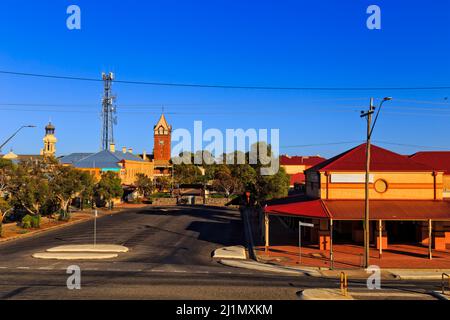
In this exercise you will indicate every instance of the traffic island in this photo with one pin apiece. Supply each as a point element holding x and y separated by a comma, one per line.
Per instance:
<point>361,294</point>
<point>74,255</point>
<point>82,252</point>
<point>233,252</point>
<point>99,248</point>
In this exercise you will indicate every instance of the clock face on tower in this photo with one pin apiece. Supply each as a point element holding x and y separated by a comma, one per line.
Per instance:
<point>161,142</point>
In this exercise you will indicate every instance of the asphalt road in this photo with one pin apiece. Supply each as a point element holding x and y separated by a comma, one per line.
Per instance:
<point>169,258</point>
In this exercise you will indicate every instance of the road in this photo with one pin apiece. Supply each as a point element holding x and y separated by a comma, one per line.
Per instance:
<point>169,258</point>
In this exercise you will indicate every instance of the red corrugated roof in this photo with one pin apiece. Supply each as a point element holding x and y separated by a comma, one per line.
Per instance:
<point>438,160</point>
<point>300,160</point>
<point>381,160</point>
<point>305,208</point>
<point>297,178</point>
<point>417,210</point>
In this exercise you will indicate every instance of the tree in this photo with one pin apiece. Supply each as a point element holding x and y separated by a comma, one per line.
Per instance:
<point>224,181</point>
<point>274,186</point>
<point>87,191</point>
<point>29,187</point>
<point>144,185</point>
<point>109,187</point>
<point>6,172</point>
<point>66,183</point>
<point>5,208</point>
<point>186,173</point>
<point>162,183</point>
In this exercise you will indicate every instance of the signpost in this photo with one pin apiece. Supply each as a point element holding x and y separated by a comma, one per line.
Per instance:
<point>95,226</point>
<point>300,225</point>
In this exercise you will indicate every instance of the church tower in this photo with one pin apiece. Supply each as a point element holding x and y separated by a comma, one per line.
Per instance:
<point>162,138</point>
<point>49,141</point>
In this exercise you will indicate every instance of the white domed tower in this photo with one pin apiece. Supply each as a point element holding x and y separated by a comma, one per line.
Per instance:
<point>49,141</point>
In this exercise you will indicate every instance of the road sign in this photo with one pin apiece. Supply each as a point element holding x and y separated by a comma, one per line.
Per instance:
<point>304,224</point>
<point>300,225</point>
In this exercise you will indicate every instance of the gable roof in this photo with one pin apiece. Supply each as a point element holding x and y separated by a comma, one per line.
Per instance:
<point>438,160</point>
<point>286,160</point>
<point>73,157</point>
<point>105,159</point>
<point>381,160</point>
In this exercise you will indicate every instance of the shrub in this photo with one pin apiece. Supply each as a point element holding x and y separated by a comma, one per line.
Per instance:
<point>64,216</point>
<point>27,222</point>
<point>36,221</point>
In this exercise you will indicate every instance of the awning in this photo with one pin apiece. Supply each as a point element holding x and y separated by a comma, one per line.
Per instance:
<point>304,208</point>
<point>414,210</point>
<point>389,209</point>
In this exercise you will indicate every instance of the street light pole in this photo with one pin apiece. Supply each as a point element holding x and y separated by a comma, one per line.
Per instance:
<point>14,134</point>
<point>368,115</point>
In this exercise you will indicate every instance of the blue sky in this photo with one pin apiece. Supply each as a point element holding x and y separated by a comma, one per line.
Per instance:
<point>263,43</point>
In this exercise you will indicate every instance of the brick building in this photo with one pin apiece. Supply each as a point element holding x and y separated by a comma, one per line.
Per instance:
<point>406,201</point>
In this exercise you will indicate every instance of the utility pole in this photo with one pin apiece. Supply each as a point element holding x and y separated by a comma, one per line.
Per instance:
<point>108,111</point>
<point>368,115</point>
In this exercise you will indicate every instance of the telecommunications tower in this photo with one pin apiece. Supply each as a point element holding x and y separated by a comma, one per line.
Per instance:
<point>108,112</point>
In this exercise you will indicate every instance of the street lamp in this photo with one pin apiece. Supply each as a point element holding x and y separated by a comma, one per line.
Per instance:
<point>14,134</point>
<point>370,128</point>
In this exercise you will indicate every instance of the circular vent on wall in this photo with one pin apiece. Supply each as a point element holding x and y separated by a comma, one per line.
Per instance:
<point>381,186</point>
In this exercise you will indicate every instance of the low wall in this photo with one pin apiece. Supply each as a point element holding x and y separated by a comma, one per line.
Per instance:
<point>164,201</point>
<point>220,202</point>
<point>216,202</point>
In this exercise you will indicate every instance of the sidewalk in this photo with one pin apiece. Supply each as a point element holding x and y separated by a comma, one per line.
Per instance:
<point>396,261</point>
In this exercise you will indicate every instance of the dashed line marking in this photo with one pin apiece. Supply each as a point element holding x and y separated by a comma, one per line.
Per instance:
<point>23,268</point>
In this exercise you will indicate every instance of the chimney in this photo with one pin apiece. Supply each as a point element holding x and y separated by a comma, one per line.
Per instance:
<point>144,155</point>
<point>130,150</point>
<point>124,149</point>
<point>112,147</point>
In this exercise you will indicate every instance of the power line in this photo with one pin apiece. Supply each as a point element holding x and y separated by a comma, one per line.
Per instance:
<point>321,144</point>
<point>214,86</point>
<point>361,141</point>
<point>410,145</point>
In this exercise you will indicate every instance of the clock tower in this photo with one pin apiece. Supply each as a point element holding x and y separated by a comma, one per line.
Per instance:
<point>162,138</point>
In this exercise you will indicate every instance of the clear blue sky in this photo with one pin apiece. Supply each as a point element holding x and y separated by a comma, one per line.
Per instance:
<point>264,43</point>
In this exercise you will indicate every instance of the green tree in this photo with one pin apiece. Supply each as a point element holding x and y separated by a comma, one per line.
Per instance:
<point>144,185</point>
<point>88,185</point>
<point>66,183</point>
<point>109,187</point>
<point>6,172</point>
<point>29,187</point>
<point>163,183</point>
<point>186,173</point>
<point>272,186</point>
<point>5,208</point>
<point>224,180</point>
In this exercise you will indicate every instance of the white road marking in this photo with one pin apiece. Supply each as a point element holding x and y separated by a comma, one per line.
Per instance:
<point>23,268</point>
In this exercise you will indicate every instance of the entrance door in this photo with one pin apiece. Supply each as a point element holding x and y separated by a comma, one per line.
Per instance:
<point>402,231</point>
